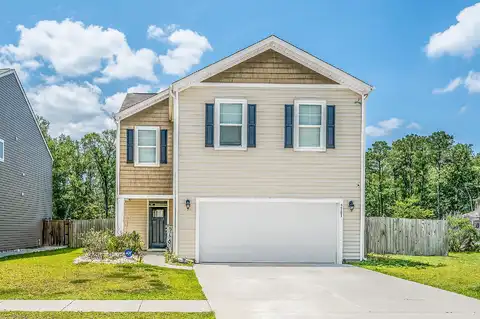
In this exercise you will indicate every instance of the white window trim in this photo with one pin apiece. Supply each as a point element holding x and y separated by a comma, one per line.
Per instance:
<point>323,126</point>
<point>2,159</point>
<point>217,124</point>
<point>157,146</point>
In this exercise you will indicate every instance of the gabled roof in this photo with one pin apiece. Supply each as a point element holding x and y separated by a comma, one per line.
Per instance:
<point>5,72</point>
<point>270,43</point>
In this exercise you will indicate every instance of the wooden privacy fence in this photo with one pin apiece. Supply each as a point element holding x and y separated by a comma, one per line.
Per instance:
<point>419,237</point>
<point>70,232</point>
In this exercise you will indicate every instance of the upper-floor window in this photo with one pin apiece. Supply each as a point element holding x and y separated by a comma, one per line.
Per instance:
<point>2,150</point>
<point>310,125</point>
<point>147,146</point>
<point>230,122</point>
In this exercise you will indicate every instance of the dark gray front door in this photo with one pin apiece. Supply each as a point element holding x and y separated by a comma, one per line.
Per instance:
<point>157,234</point>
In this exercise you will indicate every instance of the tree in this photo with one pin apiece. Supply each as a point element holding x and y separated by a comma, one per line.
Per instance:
<point>440,145</point>
<point>101,149</point>
<point>377,170</point>
<point>410,208</point>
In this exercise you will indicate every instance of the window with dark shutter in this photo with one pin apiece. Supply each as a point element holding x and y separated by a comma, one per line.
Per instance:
<point>209,124</point>
<point>130,145</point>
<point>252,125</point>
<point>289,126</point>
<point>330,126</point>
<point>163,146</point>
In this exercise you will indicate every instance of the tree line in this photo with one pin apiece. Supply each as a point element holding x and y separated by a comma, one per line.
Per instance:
<point>421,177</point>
<point>83,174</point>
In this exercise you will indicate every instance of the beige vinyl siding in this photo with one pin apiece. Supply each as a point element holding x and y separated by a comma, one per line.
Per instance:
<point>270,67</point>
<point>269,170</point>
<point>146,180</point>
<point>136,217</point>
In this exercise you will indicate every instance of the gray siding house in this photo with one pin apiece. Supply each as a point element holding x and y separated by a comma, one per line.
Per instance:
<point>25,168</point>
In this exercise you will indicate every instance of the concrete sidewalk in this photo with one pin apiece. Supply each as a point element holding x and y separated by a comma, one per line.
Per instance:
<point>106,305</point>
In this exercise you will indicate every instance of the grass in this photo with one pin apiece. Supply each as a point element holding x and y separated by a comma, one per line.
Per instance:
<point>52,275</point>
<point>105,315</point>
<point>459,272</point>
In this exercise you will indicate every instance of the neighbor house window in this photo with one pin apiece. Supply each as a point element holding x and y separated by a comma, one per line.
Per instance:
<point>230,119</point>
<point>310,132</point>
<point>2,150</point>
<point>146,141</point>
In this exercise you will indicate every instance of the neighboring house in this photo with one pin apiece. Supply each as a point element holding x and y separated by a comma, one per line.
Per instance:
<point>25,168</point>
<point>258,157</point>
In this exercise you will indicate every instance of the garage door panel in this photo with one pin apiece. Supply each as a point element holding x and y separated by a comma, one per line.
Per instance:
<point>267,231</point>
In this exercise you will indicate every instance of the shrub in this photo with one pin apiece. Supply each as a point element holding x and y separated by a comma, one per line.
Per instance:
<point>125,241</point>
<point>95,242</point>
<point>410,208</point>
<point>462,236</point>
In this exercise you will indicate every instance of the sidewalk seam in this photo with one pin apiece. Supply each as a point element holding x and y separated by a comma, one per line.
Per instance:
<point>140,305</point>
<point>67,305</point>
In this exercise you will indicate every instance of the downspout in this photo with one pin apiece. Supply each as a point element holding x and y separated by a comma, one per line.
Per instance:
<point>118,221</point>
<point>175,167</point>
<point>362,180</point>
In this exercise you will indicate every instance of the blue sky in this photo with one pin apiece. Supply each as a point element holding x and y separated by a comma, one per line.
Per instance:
<point>381,42</point>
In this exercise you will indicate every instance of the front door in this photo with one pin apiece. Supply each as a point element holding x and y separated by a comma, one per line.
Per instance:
<point>157,233</point>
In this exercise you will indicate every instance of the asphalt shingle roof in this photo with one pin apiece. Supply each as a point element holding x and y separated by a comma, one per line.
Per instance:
<point>134,98</point>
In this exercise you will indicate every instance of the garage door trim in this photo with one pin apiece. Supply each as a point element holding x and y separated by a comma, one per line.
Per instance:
<point>339,203</point>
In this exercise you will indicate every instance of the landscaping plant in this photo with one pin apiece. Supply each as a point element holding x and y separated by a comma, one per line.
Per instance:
<point>462,236</point>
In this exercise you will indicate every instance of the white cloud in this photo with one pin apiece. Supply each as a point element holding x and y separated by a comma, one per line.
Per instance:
<point>51,79</point>
<point>190,47</point>
<point>21,72</point>
<point>451,86</point>
<point>74,49</point>
<point>129,64</point>
<point>414,126</point>
<point>140,88</point>
<point>73,109</point>
<point>462,38</point>
<point>462,109</point>
<point>154,32</point>
<point>472,82</point>
<point>384,128</point>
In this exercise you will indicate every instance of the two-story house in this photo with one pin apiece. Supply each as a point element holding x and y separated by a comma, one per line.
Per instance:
<point>258,157</point>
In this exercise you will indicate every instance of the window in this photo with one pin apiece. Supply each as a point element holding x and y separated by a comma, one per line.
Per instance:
<point>146,141</point>
<point>310,133</point>
<point>230,119</point>
<point>2,150</point>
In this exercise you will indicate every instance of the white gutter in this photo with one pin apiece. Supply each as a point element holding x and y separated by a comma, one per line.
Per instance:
<point>362,181</point>
<point>176,123</point>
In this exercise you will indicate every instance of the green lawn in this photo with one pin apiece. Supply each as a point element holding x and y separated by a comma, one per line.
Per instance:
<point>104,315</point>
<point>52,275</point>
<point>459,272</point>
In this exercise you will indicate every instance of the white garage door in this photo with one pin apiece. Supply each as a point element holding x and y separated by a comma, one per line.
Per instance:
<point>268,230</point>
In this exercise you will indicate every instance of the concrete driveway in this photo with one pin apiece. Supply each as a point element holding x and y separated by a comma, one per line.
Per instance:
<point>283,291</point>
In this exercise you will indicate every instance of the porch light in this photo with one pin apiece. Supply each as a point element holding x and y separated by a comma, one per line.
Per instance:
<point>187,204</point>
<point>351,205</point>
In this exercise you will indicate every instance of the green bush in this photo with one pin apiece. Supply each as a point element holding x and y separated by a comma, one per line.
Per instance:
<point>95,242</point>
<point>125,241</point>
<point>462,236</point>
<point>410,208</point>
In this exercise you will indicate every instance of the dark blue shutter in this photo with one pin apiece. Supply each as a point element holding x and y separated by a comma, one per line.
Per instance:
<point>330,126</point>
<point>209,125</point>
<point>163,146</point>
<point>288,126</point>
<point>252,125</point>
<point>130,145</point>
